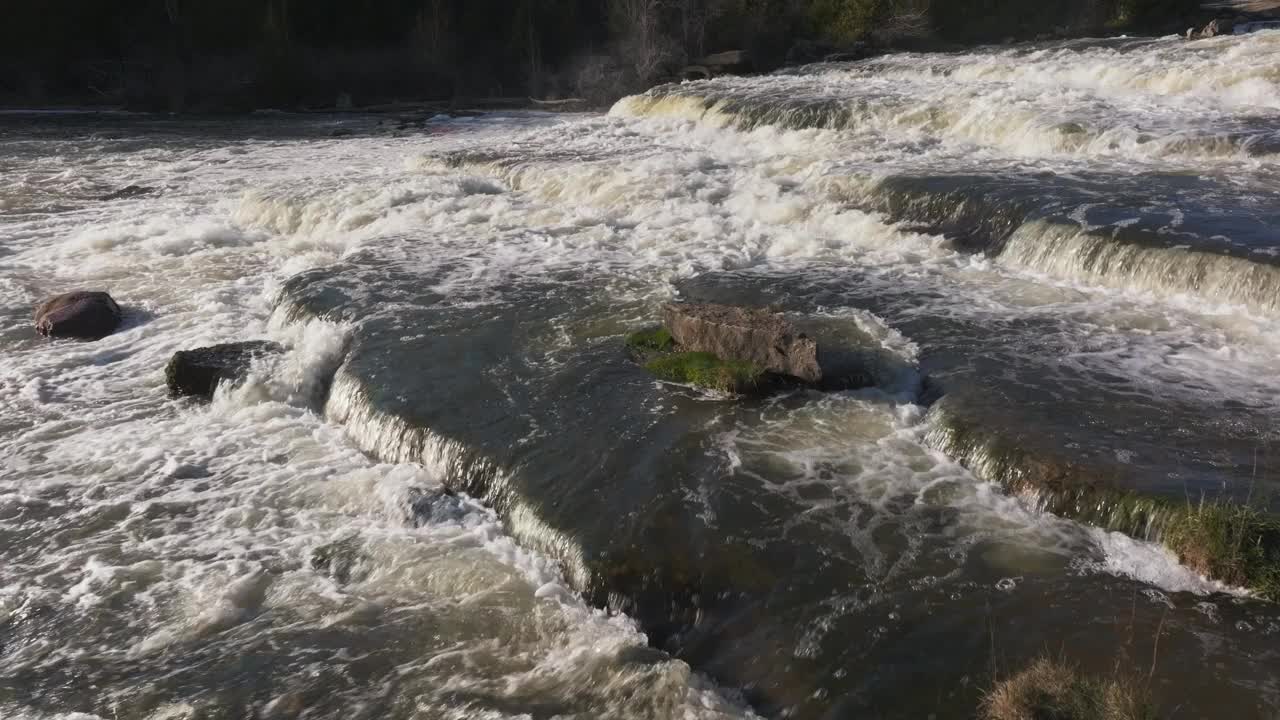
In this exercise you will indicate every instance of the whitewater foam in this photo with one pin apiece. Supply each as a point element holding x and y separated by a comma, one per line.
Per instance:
<point>162,529</point>
<point>192,526</point>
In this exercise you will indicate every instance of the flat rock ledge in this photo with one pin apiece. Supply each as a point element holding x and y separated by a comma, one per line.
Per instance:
<point>1236,543</point>
<point>198,372</point>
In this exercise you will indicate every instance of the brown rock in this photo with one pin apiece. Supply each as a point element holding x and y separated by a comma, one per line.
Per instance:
<point>198,372</point>
<point>80,314</point>
<point>752,335</point>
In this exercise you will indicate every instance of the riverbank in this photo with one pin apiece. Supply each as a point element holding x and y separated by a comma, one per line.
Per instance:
<point>393,79</point>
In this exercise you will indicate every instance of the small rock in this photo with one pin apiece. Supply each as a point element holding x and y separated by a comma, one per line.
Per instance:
<point>89,315</point>
<point>199,372</point>
<point>752,335</point>
<point>127,191</point>
<point>434,507</point>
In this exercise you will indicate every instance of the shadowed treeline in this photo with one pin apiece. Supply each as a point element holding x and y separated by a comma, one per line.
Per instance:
<point>243,54</point>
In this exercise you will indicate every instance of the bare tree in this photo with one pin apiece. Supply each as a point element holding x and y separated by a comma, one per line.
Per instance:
<point>693,27</point>
<point>533,53</point>
<point>431,31</point>
<point>277,25</point>
<point>638,24</point>
<point>906,19</point>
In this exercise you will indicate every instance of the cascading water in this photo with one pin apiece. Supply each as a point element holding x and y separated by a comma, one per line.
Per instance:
<point>456,496</point>
<point>960,143</point>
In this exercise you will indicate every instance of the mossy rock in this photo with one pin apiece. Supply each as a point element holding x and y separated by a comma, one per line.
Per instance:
<point>707,371</point>
<point>651,340</point>
<point>1234,543</point>
<point>656,351</point>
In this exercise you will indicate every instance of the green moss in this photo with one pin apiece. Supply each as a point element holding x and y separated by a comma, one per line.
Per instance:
<point>705,370</point>
<point>655,340</point>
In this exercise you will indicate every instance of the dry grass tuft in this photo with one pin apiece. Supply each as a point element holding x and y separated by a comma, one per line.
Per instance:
<point>1053,690</point>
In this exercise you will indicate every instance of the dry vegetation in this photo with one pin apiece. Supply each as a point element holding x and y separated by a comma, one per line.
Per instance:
<point>1052,689</point>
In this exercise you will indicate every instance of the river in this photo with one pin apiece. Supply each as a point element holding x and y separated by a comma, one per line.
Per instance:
<point>1071,249</point>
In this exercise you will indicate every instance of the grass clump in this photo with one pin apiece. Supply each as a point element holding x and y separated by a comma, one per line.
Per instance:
<point>1053,690</point>
<point>654,340</point>
<point>705,370</point>
<point>1237,544</point>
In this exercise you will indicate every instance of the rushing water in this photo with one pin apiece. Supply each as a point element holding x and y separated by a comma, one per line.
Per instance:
<point>1074,246</point>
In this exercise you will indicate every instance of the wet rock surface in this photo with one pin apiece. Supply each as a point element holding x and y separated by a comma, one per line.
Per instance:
<point>199,372</point>
<point>726,542</point>
<point>87,315</point>
<point>128,191</point>
<point>1100,453</point>
<point>339,559</point>
<point>752,335</point>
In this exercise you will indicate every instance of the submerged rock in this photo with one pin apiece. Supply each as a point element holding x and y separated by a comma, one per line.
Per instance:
<point>81,314</point>
<point>338,559</point>
<point>199,372</point>
<point>128,191</point>
<point>433,507</point>
<point>744,335</point>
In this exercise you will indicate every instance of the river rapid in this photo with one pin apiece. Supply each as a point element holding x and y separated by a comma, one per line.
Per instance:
<point>1074,247</point>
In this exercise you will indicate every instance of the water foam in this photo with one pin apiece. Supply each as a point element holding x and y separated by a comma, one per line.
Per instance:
<point>1069,251</point>
<point>201,522</point>
<point>165,530</point>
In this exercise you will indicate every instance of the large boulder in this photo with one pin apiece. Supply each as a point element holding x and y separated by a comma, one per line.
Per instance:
<point>199,372</point>
<point>82,314</point>
<point>750,335</point>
